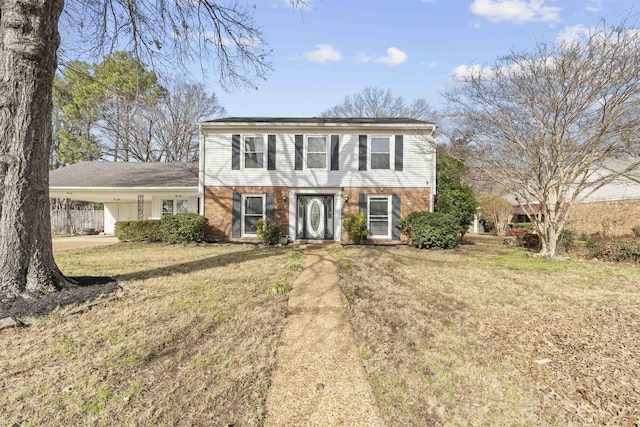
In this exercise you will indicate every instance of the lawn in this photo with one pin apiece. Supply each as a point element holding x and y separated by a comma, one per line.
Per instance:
<point>190,339</point>
<point>484,335</point>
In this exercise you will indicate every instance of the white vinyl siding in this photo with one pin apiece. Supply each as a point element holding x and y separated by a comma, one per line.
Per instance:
<point>418,163</point>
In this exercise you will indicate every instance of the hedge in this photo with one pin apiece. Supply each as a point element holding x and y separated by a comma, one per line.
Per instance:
<point>147,230</point>
<point>430,230</point>
<point>179,228</point>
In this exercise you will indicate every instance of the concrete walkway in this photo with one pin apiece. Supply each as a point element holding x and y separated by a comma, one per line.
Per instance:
<point>320,380</point>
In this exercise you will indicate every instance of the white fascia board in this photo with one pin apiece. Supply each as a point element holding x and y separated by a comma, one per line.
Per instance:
<point>126,189</point>
<point>221,127</point>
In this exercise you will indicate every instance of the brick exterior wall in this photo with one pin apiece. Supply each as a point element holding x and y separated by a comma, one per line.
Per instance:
<point>611,218</point>
<point>411,199</point>
<point>218,202</point>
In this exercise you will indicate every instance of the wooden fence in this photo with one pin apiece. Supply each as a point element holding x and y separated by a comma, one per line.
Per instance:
<point>73,221</point>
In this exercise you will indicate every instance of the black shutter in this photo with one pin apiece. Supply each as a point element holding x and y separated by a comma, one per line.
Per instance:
<point>269,205</point>
<point>235,152</point>
<point>299,149</point>
<point>362,155</point>
<point>399,151</point>
<point>335,152</point>
<point>236,215</point>
<point>395,216</point>
<point>362,203</point>
<point>271,153</point>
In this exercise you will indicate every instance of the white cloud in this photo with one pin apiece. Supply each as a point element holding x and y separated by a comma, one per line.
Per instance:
<point>515,10</point>
<point>463,72</point>
<point>570,35</point>
<point>323,53</point>
<point>394,57</point>
<point>432,64</point>
<point>428,1</point>
<point>592,9</point>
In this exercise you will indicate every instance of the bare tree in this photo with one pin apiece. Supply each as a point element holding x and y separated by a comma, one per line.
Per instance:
<point>376,102</point>
<point>168,31</point>
<point>497,212</point>
<point>545,123</point>
<point>177,117</point>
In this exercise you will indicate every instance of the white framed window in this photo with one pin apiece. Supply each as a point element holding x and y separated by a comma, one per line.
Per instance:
<point>174,206</point>
<point>254,150</point>
<point>253,209</point>
<point>317,151</point>
<point>379,216</point>
<point>380,152</point>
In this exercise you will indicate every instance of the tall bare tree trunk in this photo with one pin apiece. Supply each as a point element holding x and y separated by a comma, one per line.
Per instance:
<point>28,42</point>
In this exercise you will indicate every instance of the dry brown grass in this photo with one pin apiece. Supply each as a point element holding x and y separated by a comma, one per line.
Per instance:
<point>190,340</point>
<point>460,337</point>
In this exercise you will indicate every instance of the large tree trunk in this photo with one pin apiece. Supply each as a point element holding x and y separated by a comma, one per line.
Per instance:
<point>28,42</point>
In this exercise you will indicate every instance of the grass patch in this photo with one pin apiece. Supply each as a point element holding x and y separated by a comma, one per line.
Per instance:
<point>191,339</point>
<point>453,337</point>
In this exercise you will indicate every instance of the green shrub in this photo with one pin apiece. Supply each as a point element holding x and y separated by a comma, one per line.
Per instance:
<point>636,230</point>
<point>268,231</point>
<point>526,225</point>
<point>565,240</point>
<point>431,229</point>
<point>148,230</point>
<point>356,226</point>
<point>615,249</point>
<point>182,228</point>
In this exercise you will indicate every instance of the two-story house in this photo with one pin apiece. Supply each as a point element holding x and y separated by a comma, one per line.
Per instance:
<point>310,173</point>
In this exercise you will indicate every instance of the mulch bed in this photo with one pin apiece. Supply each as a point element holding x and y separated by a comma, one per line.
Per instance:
<point>88,289</point>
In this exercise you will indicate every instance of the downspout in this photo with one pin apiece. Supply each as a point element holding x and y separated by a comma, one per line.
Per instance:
<point>201,164</point>
<point>432,192</point>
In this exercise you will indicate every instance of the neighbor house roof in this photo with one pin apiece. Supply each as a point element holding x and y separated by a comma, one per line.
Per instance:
<point>125,175</point>
<point>347,120</point>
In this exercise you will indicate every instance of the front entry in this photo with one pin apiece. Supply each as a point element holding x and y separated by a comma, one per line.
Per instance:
<point>314,217</point>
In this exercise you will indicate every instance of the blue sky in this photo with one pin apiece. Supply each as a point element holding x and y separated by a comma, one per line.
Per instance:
<point>412,47</point>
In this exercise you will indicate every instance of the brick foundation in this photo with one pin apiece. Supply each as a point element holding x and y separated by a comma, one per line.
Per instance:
<point>218,202</point>
<point>611,218</point>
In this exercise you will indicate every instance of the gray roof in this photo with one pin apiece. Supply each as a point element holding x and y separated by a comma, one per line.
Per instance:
<point>343,120</point>
<point>125,174</point>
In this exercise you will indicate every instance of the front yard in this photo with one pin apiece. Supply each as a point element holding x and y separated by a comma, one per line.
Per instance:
<point>481,335</point>
<point>486,336</point>
<point>190,340</point>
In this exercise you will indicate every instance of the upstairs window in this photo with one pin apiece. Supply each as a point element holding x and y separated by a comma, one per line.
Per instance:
<point>254,152</point>
<point>380,152</point>
<point>317,152</point>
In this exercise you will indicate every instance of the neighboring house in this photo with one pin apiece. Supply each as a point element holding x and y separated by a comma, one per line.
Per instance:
<point>612,209</point>
<point>129,190</point>
<point>310,173</point>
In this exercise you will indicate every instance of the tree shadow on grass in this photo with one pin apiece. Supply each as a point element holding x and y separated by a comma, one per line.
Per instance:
<point>90,288</point>
<point>203,264</point>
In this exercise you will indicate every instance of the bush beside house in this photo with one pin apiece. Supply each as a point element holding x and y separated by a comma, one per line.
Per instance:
<point>431,230</point>
<point>179,228</point>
